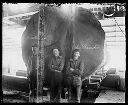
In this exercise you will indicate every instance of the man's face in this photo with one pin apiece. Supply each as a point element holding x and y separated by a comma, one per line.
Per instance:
<point>56,52</point>
<point>76,55</point>
<point>35,50</point>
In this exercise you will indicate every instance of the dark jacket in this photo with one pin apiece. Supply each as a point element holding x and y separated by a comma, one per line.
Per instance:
<point>32,71</point>
<point>32,65</point>
<point>56,63</point>
<point>75,76</point>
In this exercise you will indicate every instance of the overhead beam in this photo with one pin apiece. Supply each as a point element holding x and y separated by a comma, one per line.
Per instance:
<point>8,22</point>
<point>20,15</point>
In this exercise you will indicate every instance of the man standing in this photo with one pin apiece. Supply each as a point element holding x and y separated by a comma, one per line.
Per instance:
<point>32,73</point>
<point>74,71</point>
<point>56,65</point>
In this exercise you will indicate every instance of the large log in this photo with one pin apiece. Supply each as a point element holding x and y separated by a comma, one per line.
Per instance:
<point>75,28</point>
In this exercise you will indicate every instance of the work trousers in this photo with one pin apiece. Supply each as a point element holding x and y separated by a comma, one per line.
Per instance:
<point>74,91</point>
<point>32,86</point>
<point>55,86</point>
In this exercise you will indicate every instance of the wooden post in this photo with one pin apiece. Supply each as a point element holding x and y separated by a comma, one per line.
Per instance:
<point>40,57</point>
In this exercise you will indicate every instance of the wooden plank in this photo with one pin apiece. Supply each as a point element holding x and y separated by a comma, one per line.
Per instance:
<point>116,43</point>
<point>114,29</point>
<point>111,22</point>
<point>95,80</point>
<point>115,39</point>
<point>97,76</point>
<point>113,34</point>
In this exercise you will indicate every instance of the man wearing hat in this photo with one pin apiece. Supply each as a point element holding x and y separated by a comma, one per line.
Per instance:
<point>32,73</point>
<point>74,72</point>
<point>56,65</point>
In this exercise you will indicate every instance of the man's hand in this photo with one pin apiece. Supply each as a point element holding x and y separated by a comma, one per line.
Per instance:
<point>71,69</point>
<point>57,71</point>
<point>52,66</point>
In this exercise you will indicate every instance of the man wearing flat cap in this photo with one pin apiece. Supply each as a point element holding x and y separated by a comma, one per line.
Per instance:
<point>56,65</point>
<point>74,72</point>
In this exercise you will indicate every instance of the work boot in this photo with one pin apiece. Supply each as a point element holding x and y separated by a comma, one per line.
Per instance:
<point>77,101</point>
<point>51,100</point>
<point>57,100</point>
<point>31,97</point>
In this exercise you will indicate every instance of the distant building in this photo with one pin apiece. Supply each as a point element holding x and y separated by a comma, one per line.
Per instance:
<point>99,10</point>
<point>94,8</point>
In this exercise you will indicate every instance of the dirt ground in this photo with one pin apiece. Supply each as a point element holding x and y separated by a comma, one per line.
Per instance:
<point>13,96</point>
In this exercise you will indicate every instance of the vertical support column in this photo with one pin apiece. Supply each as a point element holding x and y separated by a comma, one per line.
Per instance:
<point>115,32</point>
<point>40,58</point>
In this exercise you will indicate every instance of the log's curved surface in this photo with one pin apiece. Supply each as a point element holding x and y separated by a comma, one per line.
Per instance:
<point>68,29</point>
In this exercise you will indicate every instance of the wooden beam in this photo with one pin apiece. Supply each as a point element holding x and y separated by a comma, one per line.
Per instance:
<point>40,57</point>
<point>20,15</point>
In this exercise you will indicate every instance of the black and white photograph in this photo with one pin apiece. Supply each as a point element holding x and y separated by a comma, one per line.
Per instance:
<point>63,52</point>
